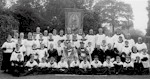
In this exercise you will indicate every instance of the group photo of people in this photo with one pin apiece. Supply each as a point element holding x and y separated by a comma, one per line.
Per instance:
<point>60,52</point>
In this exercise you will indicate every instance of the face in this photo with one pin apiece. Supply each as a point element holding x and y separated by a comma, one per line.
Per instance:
<point>22,35</point>
<point>69,30</point>
<point>41,36</point>
<point>96,58</point>
<point>82,44</point>
<point>45,32</point>
<point>118,31</point>
<point>16,35</point>
<point>100,30</point>
<point>134,49</point>
<point>51,46</point>
<point>126,43</point>
<point>109,46</point>
<point>80,31</point>
<point>74,36</point>
<point>120,39</point>
<point>29,35</point>
<point>17,47</point>
<point>118,59</point>
<point>108,58</point>
<point>19,56</point>
<point>38,29</point>
<point>54,32</point>
<point>50,36</point>
<point>91,31</point>
<point>61,32</point>
<point>89,43</point>
<point>104,42</point>
<point>139,40</point>
<point>9,37</point>
<point>128,59</point>
<point>137,58</point>
<point>42,46</point>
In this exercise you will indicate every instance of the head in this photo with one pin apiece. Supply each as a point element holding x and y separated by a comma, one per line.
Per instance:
<point>128,36</point>
<point>137,58</point>
<point>80,31</point>
<point>29,35</point>
<point>100,31</point>
<point>108,58</point>
<point>68,37</point>
<point>96,58</point>
<point>103,42</point>
<point>128,59</point>
<point>34,46</point>
<point>62,59</point>
<point>42,46</point>
<point>89,44</point>
<point>61,32</point>
<point>51,46</point>
<point>59,43</point>
<point>41,36</point>
<point>19,56</point>
<point>91,32</point>
<point>45,32</point>
<point>126,43</point>
<point>69,30</point>
<point>32,58</point>
<point>82,44</point>
<point>19,41</point>
<point>140,40</point>
<point>118,31</point>
<point>74,36</point>
<point>16,35</point>
<point>120,39</point>
<point>50,36</point>
<point>9,38</point>
<point>43,60</point>
<point>17,47</point>
<point>134,49</point>
<point>109,46</point>
<point>118,59</point>
<point>38,29</point>
<point>54,32</point>
<point>52,59</point>
<point>98,46</point>
<point>21,35</point>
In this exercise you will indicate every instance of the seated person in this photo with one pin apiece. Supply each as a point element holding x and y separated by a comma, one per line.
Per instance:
<point>31,66</point>
<point>74,66</point>
<point>118,65</point>
<point>110,52</point>
<point>118,45</point>
<point>109,66</point>
<point>96,66</point>
<point>128,66</point>
<point>42,52</point>
<point>145,61</point>
<point>85,66</point>
<point>52,65</point>
<point>43,66</point>
<point>52,52</point>
<point>63,66</point>
<point>138,66</point>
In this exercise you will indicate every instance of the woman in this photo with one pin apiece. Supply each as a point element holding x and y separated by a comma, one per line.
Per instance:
<point>8,47</point>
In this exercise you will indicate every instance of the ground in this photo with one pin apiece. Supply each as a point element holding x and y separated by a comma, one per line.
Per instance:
<point>48,76</point>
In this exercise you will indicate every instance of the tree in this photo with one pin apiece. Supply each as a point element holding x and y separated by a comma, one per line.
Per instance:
<point>113,12</point>
<point>148,24</point>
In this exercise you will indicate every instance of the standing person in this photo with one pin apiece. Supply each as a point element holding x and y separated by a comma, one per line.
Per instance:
<point>109,38</point>
<point>140,45</point>
<point>37,33</point>
<point>91,38</point>
<point>28,46</point>
<point>118,46</point>
<point>51,40</point>
<point>22,38</point>
<point>100,36</point>
<point>75,41</point>
<point>117,35</point>
<point>55,37</point>
<point>69,33</point>
<point>61,37</point>
<point>8,47</point>
<point>90,50</point>
<point>130,40</point>
<point>79,35</point>
<point>15,38</point>
<point>45,38</point>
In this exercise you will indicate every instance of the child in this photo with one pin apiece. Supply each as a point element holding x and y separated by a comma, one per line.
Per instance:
<point>90,50</point>
<point>63,66</point>
<point>8,47</point>
<point>52,65</point>
<point>52,52</point>
<point>31,66</point>
<point>42,52</point>
<point>145,62</point>
<point>126,49</point>
<point>100,36</point>
<point>85,66</point>
<point>140,45</point>
<point>118,65</point>
<point>138,66</point>
<point>109,66</point>
<point>128,66</point>
<point>118,46</point>
<point>110,52</point>
<point>134,53</point>
<point>74,66</point>
<point>43,66</point>
<point>96,66</point>
<point>91,38</point>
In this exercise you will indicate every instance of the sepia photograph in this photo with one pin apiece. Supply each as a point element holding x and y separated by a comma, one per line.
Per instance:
<point>74,39</point>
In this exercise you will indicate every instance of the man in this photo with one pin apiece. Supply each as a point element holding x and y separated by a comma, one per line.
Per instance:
<point>38,33</point>
<point>117,35</point>
<point>119,45</point>
<point>140,45</point>
<point>55,37</point>
<point>79,36</point>
<point>100,36</point>
<point>91,38</point>
<point>45,38</point>
<point>52,52</point>
<point>130,40</point>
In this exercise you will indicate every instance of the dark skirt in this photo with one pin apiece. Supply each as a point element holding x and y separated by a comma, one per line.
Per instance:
<point>6,64</point>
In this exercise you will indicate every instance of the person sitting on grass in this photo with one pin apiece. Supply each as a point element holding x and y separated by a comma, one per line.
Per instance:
<point>118,65</point>
<point>63,66</point>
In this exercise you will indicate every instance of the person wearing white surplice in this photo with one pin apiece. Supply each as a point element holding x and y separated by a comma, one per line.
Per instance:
<point>117,35</point>
<point>61,37</point>
<point>118,65</point>
<point>63,66</point>
<point>75,41</point>
<point>79,36</point>
<point>126,48</point>
<point>37,33</point>
<point>51,41</point>
<point>109,39</point>
<point>45,38</point>
<point>119,45</point>
<point>91,38</point>
<point>22,38</point>
<point>52,65</point>
<point>55,37</point>
<point>15,38</point>
<point>130,40</point>
<point>135,53</point>
<point>140,45</point>
<point>100,36</point>
<point>8,47</point>
<point>42,52</point>
<point>28,44</point>
<point>74,66</point>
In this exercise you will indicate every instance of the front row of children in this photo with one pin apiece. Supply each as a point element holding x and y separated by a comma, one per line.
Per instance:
<point>96,67</point>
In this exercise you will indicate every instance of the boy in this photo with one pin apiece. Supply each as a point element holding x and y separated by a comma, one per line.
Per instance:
<point>119,45</point>
<point>138,66</point>
<point>96,66</point>
<point>52,65</point>
<point>140,45</point>
<point>109,66</point>
<point>74,66</point>
<point>42,52</point>
<point>85,66</point>
<point>100,36</point>
<point>43,66</point>
<point>91,38</point>
<point>128,66</point>
<point>118,65</point>
<point>63,66</point>
<point>126,49</point>
<point>31,67</point>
